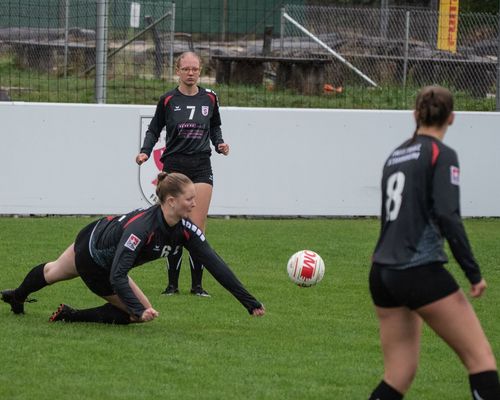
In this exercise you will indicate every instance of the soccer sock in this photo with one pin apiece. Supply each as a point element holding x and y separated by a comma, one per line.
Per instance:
<point>105,314</point>
<point>33,281</point>
<point>174,262</point>
<point>485,385</point>
<point>385,392</point>
<point>196,272</point>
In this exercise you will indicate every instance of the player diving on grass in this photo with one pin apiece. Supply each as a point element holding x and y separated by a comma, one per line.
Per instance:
<point>106,250</point>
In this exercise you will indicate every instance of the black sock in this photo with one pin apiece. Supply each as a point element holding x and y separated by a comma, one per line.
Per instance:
<point>105,314</point>
<point>485,385</point>
<point>33,281</point>
<point>385,392</point>
<point>196,272</point>
<point>174,262</point>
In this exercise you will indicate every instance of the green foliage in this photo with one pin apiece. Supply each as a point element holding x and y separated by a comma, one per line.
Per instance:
<point>39,87</point>
<point>313,343</point>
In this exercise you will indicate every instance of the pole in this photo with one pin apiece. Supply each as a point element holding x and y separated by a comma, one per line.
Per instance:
<point>330,50</point>
<point>498,63</point>
<point>172,38</point>
<point>282,30</point>
<point>407,39</point>
<point>101,49</point>
<point>66,34</point>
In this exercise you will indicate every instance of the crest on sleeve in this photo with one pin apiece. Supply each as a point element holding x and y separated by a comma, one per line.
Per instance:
<point>132,242</point>
<point>454,175</point>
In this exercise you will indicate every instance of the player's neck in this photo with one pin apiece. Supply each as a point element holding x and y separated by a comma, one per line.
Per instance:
<point>434,132</point>
<point>188,90</point>
<point>170,217</point>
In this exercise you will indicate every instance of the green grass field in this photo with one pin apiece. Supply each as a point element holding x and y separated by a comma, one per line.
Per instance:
<point>313,343</point>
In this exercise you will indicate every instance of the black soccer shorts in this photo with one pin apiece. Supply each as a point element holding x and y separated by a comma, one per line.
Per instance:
<point>411,287</point>
<point>196,167</point>
<point>93,275</point>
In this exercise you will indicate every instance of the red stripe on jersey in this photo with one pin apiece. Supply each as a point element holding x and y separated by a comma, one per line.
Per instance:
<point>212,98</point>
<point>109,218</point>
<point>150,237</point>
<point>186,234</point>
<point>134,218</point>
<point>435,153</point>
<point>167,99</point>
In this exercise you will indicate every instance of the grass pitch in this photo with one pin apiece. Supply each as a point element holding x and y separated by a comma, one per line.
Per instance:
<point>313,343</point>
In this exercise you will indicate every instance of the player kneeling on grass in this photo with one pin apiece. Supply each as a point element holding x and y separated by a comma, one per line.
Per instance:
<point>106,250</point>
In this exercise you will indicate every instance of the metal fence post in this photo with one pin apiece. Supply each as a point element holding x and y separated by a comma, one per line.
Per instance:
<point>66,38</point>
<point>101,49</point>
<point>172,38</point>
<point>498,65</point>
<point>407,39</point>
<point>282,30</point>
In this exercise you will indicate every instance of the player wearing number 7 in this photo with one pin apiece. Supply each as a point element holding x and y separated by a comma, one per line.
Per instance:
<point>408,282</point>
<point>191,117</point>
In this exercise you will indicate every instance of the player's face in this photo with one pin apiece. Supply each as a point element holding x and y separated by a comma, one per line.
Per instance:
<point>188,70</point>
<point>185,202</point>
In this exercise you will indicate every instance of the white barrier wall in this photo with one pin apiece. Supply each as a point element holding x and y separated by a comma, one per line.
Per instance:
<point>79,159</point>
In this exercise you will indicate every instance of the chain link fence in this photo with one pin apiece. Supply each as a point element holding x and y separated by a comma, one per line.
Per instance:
<point>255,53</point>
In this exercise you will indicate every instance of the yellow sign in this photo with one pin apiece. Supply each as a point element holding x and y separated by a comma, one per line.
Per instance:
<point>448,25</point>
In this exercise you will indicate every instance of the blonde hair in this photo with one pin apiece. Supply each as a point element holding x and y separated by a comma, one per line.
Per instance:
<point>171,185</point>
<point>181,56</point>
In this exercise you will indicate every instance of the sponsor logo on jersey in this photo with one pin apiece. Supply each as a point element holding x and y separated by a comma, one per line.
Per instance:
<point>455,175</point>
<point>132,242</point>
<point>404,154</point>
<point>204,110</point>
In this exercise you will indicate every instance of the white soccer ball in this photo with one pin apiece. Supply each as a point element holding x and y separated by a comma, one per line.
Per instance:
<point>306,268</point>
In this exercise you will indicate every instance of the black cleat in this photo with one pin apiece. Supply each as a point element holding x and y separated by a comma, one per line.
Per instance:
<point>17,307</point>
<point>199,291</point>
<point>170,290</point>
<point>62,313</point>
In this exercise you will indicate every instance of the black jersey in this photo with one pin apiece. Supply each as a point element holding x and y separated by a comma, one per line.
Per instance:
<point>191,123</point>
<point>120,243</point>
<point>420,205</point>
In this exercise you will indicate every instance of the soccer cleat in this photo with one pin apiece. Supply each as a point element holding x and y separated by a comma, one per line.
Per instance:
<point>170,290</point>
<point>199,291</point>
<point>17,307</point>
<point>62,313</point>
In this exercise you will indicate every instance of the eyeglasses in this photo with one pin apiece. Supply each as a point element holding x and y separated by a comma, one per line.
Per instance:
<point>185,70</point>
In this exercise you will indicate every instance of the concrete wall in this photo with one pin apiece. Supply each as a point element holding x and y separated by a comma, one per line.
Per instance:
<point>79,159</point>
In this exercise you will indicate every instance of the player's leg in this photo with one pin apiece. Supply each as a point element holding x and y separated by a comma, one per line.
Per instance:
<point>199,216</point>
<point>40,276</point>
<point>400,330</point>
<point>454,320</point>
<point>174,261</point>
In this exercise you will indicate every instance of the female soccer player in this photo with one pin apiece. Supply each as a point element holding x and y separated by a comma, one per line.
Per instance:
<point>408,282</point>
<point>191,116</point>
<point>106,250</point>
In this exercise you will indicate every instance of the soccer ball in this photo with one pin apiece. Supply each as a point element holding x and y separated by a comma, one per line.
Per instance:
<point>306,268</point>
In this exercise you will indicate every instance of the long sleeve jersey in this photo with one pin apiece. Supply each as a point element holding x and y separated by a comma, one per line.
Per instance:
<point>420,206</point>
<point>121,243</point>
<point>191,122</point>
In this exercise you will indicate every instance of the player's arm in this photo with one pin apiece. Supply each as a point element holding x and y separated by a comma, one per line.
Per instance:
<point>153,133</point>
<point>216,131</point>
<point>446,198</point>
<point>201,250</point>
<point>126,254</point>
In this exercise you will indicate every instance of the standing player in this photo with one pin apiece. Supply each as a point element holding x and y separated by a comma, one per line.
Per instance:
<point>106,250</point>
<point>191,116</point>
<point>408,282</point>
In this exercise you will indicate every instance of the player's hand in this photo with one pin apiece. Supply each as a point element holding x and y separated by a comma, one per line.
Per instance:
<point>223,148</point>
<point>478,289</point>
<point>141,158</point>
<point>149,314</point>
<point>259,312</point>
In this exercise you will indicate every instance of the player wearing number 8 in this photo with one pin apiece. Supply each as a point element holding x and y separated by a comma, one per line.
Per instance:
<point>408,282</point>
